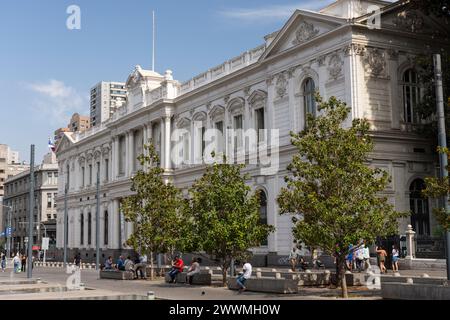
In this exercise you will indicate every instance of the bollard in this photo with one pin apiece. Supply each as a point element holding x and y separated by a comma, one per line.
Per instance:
<point>327,272</point>
<point>150,295</point>
<point>258,269</point>
<point>274,270</point>
<point>397,274</point>
<point>425,275</point>
<point>38,280</point>
<point>409,281</point>
<point>258,274</point>
<point>277,275</point>
<point>82,286</point>
<point>308,271</point>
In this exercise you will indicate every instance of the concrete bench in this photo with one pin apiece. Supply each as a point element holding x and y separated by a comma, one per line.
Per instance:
<point>265,284</point>
<point>202,278</point>
<point>116,275</point>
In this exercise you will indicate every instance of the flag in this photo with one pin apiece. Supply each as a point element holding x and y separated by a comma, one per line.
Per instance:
<point>51,145</point>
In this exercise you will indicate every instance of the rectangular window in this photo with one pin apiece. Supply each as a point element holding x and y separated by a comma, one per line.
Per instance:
<point>83,175</point>
<point>81,229</point>
<point>122,155</point>
<point>89,228</point>
<point>238,134</point>
<point>49,200</point>
<point>259,115</point>
<point>54,200</point>
<point>105,234</point>
<point>90,174</point>
<point>106,169</point>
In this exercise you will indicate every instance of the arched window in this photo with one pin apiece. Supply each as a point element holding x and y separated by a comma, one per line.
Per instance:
<point>263,211</point>
<point>105,235</point>
<point>420,213</point>
<point>411,95</point>
<point>309,101</point>
<point>89,228</point>
<point>82,229</point>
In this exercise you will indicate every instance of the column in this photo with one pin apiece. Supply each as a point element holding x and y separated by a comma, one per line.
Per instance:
<point>162,144</point>
<point>127,148</point>
<point>131,155</point>
<point>167,147</point>
<point>116,158</point>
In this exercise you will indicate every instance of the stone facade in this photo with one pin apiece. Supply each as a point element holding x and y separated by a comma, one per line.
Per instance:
<point>17,197</point>
<point>372,70</point>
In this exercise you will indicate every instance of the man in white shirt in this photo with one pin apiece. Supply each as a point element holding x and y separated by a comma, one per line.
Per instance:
<point>247,273</point>
<point>366,256</point>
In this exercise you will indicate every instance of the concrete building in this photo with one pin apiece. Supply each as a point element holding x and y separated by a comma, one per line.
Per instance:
<point>336,51</point>
<point>17,197</point>
<point>79,123</point>
<point>9,165</point>
<point>106,97</point>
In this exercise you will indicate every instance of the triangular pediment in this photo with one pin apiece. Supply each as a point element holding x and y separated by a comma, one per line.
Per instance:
<point>401,17</point>
<point>66,142</point>
<point>301,28</point>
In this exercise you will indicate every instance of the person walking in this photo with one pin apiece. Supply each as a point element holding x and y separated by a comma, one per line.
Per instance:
<point>366,256</point>
<point>294,257</point>
<point>350,258</point>
<point>247,274</point>
<point>23,262</point>
<point>382,259</point>
<point>395,257</point>
<point>3,262</point>
<point>16,263</point>
<point>77,260</point>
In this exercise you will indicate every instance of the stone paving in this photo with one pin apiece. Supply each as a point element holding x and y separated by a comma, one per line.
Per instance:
<point>162,290</point>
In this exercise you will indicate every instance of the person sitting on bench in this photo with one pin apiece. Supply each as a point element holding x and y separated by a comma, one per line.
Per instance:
<point>177,267</point>
<point>193,269</point>
<point>120,264</point>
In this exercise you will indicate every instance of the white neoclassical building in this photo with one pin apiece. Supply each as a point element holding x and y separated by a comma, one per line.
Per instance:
<point>365,59</point>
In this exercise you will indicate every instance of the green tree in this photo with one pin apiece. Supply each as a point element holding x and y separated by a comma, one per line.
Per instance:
<point>439,187</point>
<point>154,209</point>
<point>336,196</point>
<point>226,214</point>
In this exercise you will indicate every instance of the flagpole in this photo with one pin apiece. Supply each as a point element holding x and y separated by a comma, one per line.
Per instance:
<point>153,42</point>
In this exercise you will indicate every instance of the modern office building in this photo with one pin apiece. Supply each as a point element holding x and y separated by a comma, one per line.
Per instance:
<point>337,51</point>
<point>9,165</point>
<point>106,97</point>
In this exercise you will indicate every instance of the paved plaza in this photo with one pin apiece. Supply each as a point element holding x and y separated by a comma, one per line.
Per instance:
<point>54,282</point>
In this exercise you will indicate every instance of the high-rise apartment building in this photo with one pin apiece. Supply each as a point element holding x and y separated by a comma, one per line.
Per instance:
<point>9,165</point>
<point>106,97</point>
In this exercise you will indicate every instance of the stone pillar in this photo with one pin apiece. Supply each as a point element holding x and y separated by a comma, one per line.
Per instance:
<point>127,148</point>
<point>167,147</point>
<point>116,158</point>
<point>131,155</point>
<point>410,248</point>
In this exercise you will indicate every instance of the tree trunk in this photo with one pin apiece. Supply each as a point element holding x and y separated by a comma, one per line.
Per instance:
<point>342,277</point>
<point>152,272</point>
<point>224,276</point>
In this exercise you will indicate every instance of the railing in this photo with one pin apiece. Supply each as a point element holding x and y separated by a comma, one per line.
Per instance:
<point>429,247</point>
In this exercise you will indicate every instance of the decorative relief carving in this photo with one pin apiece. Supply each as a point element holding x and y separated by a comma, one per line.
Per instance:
<point>97,154</point>
<point>393,54</point>
<point>305,32</point>
<point>335,65</point>
<point>226,98</point>
<point>208,106</point>
<point>247,90</point>
<point>281,85</point>
<point>290,72</point>
<point>321,60</point>
<point>81,160</point>
<point>105,150</point>
<point>354,48</point>
<point>409,20</point>
<point>375,62</point>
<point>269,80</point>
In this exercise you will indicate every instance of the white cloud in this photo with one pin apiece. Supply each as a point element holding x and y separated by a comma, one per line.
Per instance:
<point>56,101</point>
<point>272,11</point>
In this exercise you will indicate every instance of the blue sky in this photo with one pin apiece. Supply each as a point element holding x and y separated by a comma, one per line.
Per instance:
<point>46,70</point>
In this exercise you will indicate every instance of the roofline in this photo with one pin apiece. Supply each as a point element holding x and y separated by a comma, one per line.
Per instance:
<point>337,2</point>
